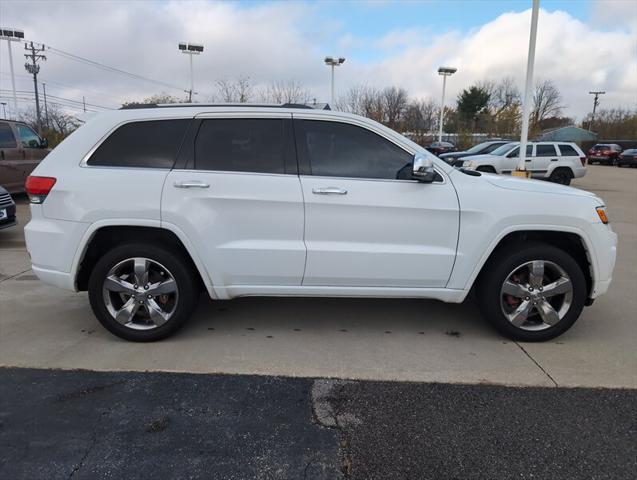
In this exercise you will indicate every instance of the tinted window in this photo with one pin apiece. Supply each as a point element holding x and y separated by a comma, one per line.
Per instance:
<point>152,144</point>
<point>529,151</point>
<point>28,137</point>
<point>7,139</point>
<point>491,148</point>
<point>343,150</point>
<point>545,151</point>
<point>568,151</point>
<point>241,145</point>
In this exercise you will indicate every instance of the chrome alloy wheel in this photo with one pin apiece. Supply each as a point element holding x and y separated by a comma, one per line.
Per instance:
<point>536,295</point>
<point>140,293</point>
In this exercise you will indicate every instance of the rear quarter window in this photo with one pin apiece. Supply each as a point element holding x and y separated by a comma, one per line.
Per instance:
<point>568,151</point>
<point>147,144</point>
<point>7,139</point>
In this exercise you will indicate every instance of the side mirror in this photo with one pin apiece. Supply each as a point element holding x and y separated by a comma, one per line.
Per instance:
<point>423,168</point>
<point>44,143</point>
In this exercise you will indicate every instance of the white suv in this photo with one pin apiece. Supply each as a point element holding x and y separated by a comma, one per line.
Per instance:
<point>144,208</point>
<point>558,162</point>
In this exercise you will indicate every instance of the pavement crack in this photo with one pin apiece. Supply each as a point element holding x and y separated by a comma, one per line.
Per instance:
<point>13,276</point>
<point>537,364</point>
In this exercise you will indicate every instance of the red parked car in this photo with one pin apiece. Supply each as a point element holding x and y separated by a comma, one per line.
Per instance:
<point>606,153</point>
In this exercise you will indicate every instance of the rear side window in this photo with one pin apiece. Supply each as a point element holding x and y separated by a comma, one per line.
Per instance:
<point>7,139</point>
<point>150,144</point>
<point>568,151</point>
<point>545,151</point>
<point>343,150</point>
<point>241,145</point>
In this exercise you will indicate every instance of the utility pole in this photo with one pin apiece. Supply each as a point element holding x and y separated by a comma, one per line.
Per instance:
<point>595,103</point>
<point>84,103</point>
<point>46,110</point>
<point>33,68</point>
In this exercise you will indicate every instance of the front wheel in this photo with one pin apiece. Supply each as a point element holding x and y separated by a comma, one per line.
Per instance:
<point>532,293</point>
<point>142,293</point>
<point>562,176</point>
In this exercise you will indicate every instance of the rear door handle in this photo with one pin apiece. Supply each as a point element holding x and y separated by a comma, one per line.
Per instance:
<point>329,191</point>
<point>191,184</point>
<point>553,159</point>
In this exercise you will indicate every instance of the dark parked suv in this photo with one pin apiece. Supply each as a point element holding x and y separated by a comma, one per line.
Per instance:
<point>21,150</point>
<point>7,209</point>
<point>455,158</point>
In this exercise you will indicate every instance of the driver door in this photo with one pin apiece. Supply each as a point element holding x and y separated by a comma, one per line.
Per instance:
<point>367,223</point>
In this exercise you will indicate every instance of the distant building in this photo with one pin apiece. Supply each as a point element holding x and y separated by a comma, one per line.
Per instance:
<point>319,106</point>
<point>570,133</point>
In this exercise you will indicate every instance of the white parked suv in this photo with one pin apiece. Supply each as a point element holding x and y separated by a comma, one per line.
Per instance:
<point>558,162</point>
<point>145,208</point>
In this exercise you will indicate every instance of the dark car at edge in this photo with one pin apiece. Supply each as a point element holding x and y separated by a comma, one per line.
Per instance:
<point>454,158</point>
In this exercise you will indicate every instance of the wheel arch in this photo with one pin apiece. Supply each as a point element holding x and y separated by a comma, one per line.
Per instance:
<point>572,242</point>
<point>101,238</point>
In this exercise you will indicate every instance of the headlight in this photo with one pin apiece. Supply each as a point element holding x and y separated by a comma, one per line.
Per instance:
<point>471,165</point>
<point>601,212</point>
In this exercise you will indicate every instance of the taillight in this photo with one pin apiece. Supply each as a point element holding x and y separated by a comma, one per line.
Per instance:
<point>38,188</point>
<point>583,160</point>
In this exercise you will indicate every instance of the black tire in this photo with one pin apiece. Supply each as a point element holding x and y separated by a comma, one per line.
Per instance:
<point>178,267</point>
<point>500,267</point>
<point>562,176</point>
<point>486,169</point>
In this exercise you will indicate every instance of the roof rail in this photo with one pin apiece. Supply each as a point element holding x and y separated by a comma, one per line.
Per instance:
<point>134,106</point>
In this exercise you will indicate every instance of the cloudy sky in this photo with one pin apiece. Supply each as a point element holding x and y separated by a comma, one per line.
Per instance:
<point>582,45</point>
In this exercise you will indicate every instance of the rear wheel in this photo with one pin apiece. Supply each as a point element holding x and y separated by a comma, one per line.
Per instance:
<point>562,176</point>
<point>142,292</point>
<point>533,293</point>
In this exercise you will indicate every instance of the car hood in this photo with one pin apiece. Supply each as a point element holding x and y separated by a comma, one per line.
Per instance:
<point>539,186</point>
<point>453,155</point>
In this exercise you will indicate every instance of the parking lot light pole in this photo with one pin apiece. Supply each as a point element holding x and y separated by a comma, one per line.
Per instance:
<point>12,35</point>
<point>191,49</point>
<point>445,72</point>
<point>333,62</point>
<point>521,171</point>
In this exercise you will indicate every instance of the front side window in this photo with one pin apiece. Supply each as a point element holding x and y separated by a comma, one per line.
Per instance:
<point>149,144</point>
<point>241,145</point>
<point>568,151</point>
<point>515,153</point>
<point>545,151</point>
<point>342,150</point>
<point>7,139</point>
<point>28,137</point>
<point>503,149</point>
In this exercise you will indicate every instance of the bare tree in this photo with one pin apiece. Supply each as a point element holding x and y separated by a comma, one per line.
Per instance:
<point>420,118</point>
<point>233,91</point>
<point>285,92</point>
<point>547,102</point>
<point>394,101</point>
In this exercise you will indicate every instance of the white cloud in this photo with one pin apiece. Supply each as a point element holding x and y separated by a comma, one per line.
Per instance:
<point>281,41</point>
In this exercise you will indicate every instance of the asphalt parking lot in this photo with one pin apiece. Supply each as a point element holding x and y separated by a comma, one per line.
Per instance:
<point>397,339</point>
<point>319,388</point>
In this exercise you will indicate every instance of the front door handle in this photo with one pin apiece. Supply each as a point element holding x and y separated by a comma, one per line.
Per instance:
<point>329,191</point>
<point>191,184</point>
<point>553,159</point>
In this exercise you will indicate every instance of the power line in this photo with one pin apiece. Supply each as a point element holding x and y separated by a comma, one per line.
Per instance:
<point>108,68</point>
<point>79,102</point>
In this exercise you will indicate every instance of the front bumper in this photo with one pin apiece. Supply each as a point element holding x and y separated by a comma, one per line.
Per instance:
<point>604,245</point>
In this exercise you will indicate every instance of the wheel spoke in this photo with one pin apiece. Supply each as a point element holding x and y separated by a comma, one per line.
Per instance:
<point>519,316</point>
<point>157,314</point>
<point>115,284</point>
<point>141,271</point>
<point>159,288</point>
<point>536,273</point>
<point>514,289</point>
<point>548,313</point>
<point>125,314</point>
<point>560,286</point>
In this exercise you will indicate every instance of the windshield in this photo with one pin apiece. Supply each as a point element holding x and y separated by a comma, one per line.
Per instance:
<point>477,148</point>
<point>504,149</point>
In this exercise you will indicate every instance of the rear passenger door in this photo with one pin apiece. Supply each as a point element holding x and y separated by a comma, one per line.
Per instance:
<point>545,154</point>
<point>10,159</point>
<point>236,195</point>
